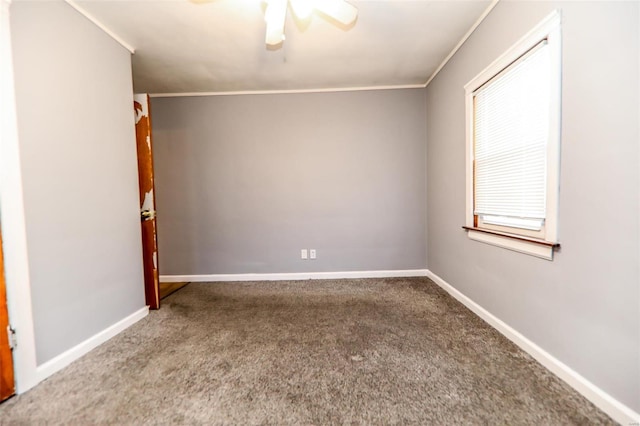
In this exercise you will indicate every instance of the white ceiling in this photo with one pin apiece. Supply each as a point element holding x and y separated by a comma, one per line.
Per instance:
<point>218,45</point>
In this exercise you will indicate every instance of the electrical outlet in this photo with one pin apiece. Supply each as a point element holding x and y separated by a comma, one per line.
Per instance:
<point>303,254</point>
<point>312,253</point>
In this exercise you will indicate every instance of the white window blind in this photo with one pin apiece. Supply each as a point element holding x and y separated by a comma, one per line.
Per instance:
<point>511,128</point>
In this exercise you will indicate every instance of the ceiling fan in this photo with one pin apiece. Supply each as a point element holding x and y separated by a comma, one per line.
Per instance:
<point>276,14</point>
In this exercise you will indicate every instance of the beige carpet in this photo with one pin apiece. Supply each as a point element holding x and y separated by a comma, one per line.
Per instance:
<point>370,351</point>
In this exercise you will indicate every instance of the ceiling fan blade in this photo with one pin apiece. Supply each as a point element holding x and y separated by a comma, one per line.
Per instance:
<point>275,16</point>
<point>339,10</point>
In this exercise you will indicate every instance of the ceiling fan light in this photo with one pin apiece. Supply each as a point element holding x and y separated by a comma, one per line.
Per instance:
<point>339,10</point>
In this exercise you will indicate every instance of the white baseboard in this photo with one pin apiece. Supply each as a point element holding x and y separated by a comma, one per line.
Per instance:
<point>59,362</point>
<point>614,408</point>
<point>294,276</point>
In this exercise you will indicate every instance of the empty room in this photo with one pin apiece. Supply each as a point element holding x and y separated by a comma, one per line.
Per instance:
<point>319,212</point>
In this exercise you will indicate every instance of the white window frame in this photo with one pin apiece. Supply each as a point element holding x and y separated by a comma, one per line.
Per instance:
<point>513,238</point>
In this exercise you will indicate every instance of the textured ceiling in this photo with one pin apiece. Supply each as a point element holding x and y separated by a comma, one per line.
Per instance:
<point>218,45</point>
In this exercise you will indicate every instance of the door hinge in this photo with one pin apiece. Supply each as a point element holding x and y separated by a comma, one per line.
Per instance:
<point>11,334</point>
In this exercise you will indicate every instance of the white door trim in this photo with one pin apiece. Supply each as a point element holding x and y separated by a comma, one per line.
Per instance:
<point>13,220</point>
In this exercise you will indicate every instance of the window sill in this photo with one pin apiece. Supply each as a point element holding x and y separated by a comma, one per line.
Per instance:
<point>531,246</point>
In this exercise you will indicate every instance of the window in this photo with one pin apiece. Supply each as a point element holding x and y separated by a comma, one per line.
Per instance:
<point>513,145</point>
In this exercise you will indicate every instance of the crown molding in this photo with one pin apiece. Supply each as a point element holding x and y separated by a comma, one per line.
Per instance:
<point>100,25</point>
<point>293,91</point>
<point>462,40</point>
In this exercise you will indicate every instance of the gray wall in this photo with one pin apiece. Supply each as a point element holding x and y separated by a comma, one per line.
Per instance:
<point>77,142</point>
<point>583,307</point>
<point>244,182</point>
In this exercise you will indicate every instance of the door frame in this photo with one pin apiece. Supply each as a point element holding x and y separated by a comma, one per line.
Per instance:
<point>16,264</point>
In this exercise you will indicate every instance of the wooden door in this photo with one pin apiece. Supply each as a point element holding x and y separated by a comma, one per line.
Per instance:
<point>7,385</point>
<point>147,200</point>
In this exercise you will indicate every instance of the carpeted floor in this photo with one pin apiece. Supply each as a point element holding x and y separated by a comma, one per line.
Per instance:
<point>369,351</point>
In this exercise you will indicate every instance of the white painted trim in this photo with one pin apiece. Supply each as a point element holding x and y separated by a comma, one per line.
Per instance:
<point>462,40</point>
<point>548,26</point>
<point>16,259</point>
<point>281,92</point>
<point>521,246</point>
<point>100,25</point>
<point>59,362</point>
<point>554,38</point>
<point>601,399</point>
<point>469,160</point>
<point>293,276</point>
